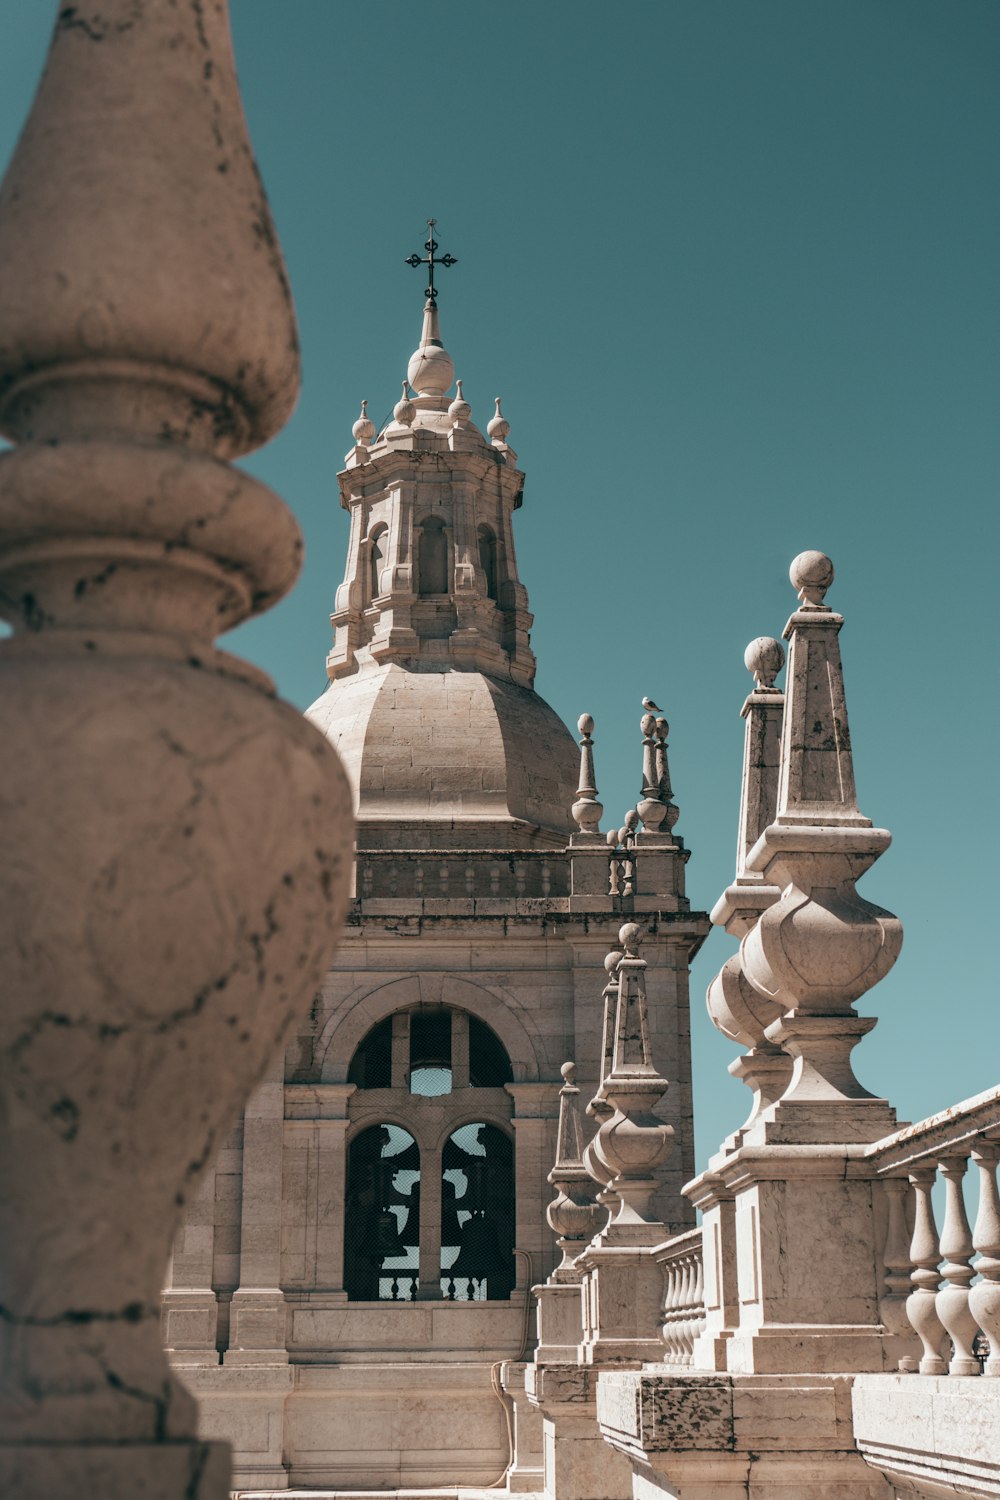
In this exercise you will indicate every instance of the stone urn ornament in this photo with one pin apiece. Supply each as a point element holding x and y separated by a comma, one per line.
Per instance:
<point>178,840</point>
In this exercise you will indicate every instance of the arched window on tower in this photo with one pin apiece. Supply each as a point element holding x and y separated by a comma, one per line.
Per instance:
<point>382,1218</point>
<point>419,1056</point>
<point>488,560</point>
<point>432,557</point>
<point>376,558</point>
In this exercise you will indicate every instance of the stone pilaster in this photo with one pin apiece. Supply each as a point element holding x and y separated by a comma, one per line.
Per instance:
<point>258,1313</point>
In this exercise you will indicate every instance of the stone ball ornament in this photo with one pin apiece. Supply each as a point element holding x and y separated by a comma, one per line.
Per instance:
<point>364,428</point>
<point>764,658</point>
<point>811,574</point>
<point>585,724</point>
<point>498,427</point>
<point>430,370</point>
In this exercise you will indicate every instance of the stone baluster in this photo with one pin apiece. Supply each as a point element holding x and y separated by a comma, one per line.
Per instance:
<point>952,1301</point>
<point>671,1304</point>
<point>182,838</point>
<point>820,946</point>
<point>925,1254</point>
<point>546,873</point>
<point>444,870</point>
<point>418,878</point>
<point>896,1267</point>
<point>494,880</point>
<point>984,1299</point>
<point>519,877</point>
<point>470,879</point>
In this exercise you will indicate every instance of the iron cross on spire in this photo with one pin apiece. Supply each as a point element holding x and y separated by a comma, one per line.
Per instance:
<point>430,245</point>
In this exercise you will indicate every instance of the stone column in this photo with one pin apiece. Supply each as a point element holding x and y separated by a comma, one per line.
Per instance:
<point>429,1282</point>
<point>180,837</point>
<point>331,1194</point>
<point>257,1334</point>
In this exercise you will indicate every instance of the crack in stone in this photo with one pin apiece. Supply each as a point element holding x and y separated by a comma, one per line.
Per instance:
<point>133,1312</point>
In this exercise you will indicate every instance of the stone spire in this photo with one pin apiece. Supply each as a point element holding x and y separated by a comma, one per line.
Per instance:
<point>430,370</point>
<point>820,946</point>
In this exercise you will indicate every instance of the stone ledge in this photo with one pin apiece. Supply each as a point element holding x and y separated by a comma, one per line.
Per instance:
<point>934,1433</point>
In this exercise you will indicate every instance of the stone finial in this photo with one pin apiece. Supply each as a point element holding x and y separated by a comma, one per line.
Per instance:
<point>764,659</point>
<point>821,946</point>
<point>633,1143</point>
<point>811,574</point>
<point>650,808</point>
<point>404,410</point>
<point>146,337</point>
<point>364,428</point>
<point>816,781</point>
<point>430,370</point>
<point>498,427</point>
<point>734,1006</point>
<point>459,412</point>
<point>586,809</point>
<point>599,1109</point>
<point>573,1215</point>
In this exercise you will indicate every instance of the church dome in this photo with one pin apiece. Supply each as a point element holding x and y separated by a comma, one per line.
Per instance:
<point>454,747</point>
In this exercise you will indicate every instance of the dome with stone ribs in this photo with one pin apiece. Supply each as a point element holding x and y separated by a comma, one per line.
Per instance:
<point>451,749</point>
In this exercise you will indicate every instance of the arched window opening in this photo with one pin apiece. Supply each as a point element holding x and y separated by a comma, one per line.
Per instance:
<point>430,1052</point>
<point>438,1049</point>
<point>433,557</point>
<point>376,557</point>
<point>477,1215</point>
<point>488,560</point>
<point>382,1216</point>
<point>371,1065</point>
<point>489,1065</point>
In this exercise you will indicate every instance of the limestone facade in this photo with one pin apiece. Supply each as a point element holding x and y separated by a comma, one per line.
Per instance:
<point>472,965</point>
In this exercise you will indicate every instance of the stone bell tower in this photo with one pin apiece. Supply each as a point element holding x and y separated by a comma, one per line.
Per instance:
<point>363,1252</point>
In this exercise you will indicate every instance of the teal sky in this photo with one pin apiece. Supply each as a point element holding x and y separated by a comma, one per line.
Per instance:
<point>733,268</point>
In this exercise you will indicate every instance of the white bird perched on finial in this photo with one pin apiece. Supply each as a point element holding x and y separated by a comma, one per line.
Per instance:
<point>651,707</point>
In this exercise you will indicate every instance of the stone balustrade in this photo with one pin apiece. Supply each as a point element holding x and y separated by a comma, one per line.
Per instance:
<point>461,875</point>
<point>683,1296</point>
<point>933,1284</point>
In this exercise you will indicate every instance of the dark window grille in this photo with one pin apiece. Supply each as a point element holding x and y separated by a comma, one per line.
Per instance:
<point>371,1065</point>
<point>382,1216</point>
<point>489,1065</point>
<point>477,1215</point>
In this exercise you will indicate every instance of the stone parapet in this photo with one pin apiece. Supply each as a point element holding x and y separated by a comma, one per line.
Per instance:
<point>728,1437</point>
<point>935,1436</point>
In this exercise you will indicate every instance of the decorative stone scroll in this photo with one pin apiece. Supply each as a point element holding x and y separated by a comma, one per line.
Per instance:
<point>178,840</point>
